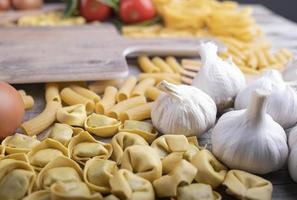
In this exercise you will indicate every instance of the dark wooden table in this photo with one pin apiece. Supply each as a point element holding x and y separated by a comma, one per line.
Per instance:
<point>282,33</point>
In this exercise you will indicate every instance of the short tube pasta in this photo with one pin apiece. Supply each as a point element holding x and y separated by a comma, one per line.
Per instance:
<point>28,101</point>
<point>152,93</point>
<point>115,111</point>
<point>139,113</point>
<point>140,88</point>
<point>71,97</point>
<point>174,65</point>
<point>85,93</point>
<point>162,65</point>
<point>161,76</point>
<point>99,86</point>
<point>108,100</point>
<point>125,91</point>
<point>42,121</point>
<point>146,65</point>
<point>52,92</point>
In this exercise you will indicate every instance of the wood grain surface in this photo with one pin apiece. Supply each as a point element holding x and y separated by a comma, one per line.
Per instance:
<point>283,34</point>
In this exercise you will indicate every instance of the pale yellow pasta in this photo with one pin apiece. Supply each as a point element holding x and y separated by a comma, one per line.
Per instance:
<point>70,97</point>
<point>125,91</point>
<point>108,100</point>
<point>280,57</point>
<point>152,93</point>
<point>42,121</point>
<point>146,65</point>
<point>191,64</point>
<point>252,61</point>
<point>161,76</point>
<point>52,92</point>
<point>72,115</point>
<point>28,100</point>
<point>236,52</point>
<point>286,53</point>
<point>141,87</point>
<point>263,62</point>
<point>125,105</point>
<point>99,86</point>
<point>270,58</point>
<point>22,92</point>
<point>86,93</point>
<point>173,64</point>
<point>249,70</point>
<point>140,113</point>
<point>162,65</point>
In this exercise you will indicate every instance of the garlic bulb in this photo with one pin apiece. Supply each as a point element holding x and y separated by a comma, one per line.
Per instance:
<point>290,71</point>
<point>292,161</point>
<point>281,101</point>
<point>250,139</point>
<point>220,79</point>
<point>183,109</point>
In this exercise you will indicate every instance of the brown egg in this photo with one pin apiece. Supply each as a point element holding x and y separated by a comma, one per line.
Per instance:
<point>27,4</point>
<point>11,109</point>
<point>4,5</point>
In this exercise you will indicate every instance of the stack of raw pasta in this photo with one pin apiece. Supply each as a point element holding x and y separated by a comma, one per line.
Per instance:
<point>70,162</point>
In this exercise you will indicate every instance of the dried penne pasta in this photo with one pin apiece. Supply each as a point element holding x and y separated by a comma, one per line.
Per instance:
<point>140,88</point>
<point>43,120</point>
<point>28,101</point>
<point>125,105</point>
<point>186,80</point>
<point>174,65</point>
<point>22,92</point>
<point>286,53</point>
<point>249,70</point>
<point>262,61</point>
<point>86,93</point>
<point>191,62</point>
<point>99,86</point>
<point>160,76</point>
<point>146,65</point>
<point>270,58</point>
<point>125,91</point>
<point>70,97</point>
<point>162,65</point>
<point>139,113</point>
<point>280,57</point>
<point>190,74</point>
<point>152,93</point>
<point>52,92</point>
<point>108,100</point>
<point>252,61</point>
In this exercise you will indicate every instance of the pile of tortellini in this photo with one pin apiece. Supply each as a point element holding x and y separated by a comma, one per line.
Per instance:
<point>71,164</point>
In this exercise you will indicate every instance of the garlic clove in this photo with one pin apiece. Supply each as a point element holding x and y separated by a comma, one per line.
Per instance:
<point>292,163</point>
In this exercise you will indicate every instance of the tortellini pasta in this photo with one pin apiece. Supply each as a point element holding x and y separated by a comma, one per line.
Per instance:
<point>39,195</point>
<point>97,173</point>
<point>123,140</point>
<point>1,151</point>
<point>83,147</point>
<point>102,125</point>
<point>183,172</point>
<point>61,132</point>
<point>144,129</point>
<point>197,191</point>
<point>19,143</point>
<point>73,190</point>
<point>143,161</point>
<point>210,170</point>
<point>72,115</point>
<point>244,185</point>
<point>14,157</point>
<point>61,169</point>
<point>46,151</point>
<point>16,179</point>
<point>126,185</point>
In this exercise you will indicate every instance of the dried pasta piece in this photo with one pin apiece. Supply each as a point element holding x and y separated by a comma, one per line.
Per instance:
<point>161,76</point>
<point>144,129</point>
<point>141,87</point>
<point>123,140</point>
<point>197,191</point>
<point>139,113</point>
<point>123,185</point>
<point>72,115</point>
<point>39,195</point>
<point>86,93</point>
<point>152,93</point>
<point>60,169</point>
<point>115,111</point>
<point>73,190</point>
<point>83,147</point>
<point>210,170</point>
<point>2,151</point>
<point>125,91</point>
<point>27,99</point>
<point>70,97</point>
<point>61,132</point>
<point>108,100</point>
<point>100,86</point>
<point>42,121</point>
<point>162,65</point>
<point>244,185</point>
<point>174,65</point>
<point>46,151</point>
<point>146,65</point>
<point>143,161</point>
<point>14,157</point>
<point>19,143</point>
<point>183,173</point>
<point>52,92</point>
<point>97,173</point>
<point>16,179</point>
<point>101,125</point>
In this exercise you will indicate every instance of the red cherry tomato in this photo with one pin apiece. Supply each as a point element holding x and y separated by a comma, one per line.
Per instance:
<point>93,10</point>
<point>133,11</point>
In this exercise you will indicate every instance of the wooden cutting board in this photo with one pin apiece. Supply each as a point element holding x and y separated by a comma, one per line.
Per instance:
<point>74,53</point>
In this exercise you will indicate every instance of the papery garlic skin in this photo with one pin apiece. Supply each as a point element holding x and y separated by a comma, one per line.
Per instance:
<point>250,139</point>
<point>292,161</point>
<point>220,79</point>
<point>281,103</point>
<point>183,109</point>
<point>290,71</point>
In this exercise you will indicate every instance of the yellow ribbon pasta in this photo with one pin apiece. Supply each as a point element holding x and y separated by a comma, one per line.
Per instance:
<point>108,100</point>
<point>72,115</point>
<point>125,91</point>
<point>19,143</point>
